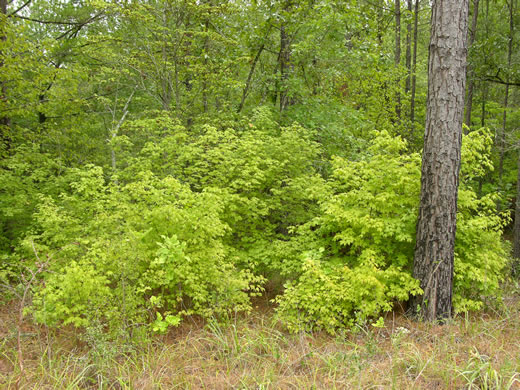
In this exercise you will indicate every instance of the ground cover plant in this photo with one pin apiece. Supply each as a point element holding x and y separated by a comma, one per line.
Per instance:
<point>472,352</point>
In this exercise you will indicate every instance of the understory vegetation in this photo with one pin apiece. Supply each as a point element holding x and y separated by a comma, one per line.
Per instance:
<point>224,194</point>
<point>195,224</point>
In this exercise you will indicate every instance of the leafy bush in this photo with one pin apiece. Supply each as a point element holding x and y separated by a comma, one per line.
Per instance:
<point>330,297</point>
<point>365,237</point>
<point>189,221</point>
<point>23,175</point>
<point>262,171</point>
<point>481,256</point>
<point>120,251</point>
<point>74,296</point>
<point>182,223</point>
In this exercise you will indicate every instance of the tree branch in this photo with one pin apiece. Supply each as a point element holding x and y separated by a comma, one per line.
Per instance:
<point>498,80</point>
<point>75,26</point>
<point>45,21</point>
<point>250,76</point>
<point>19,8</point>
<point>78,26</point>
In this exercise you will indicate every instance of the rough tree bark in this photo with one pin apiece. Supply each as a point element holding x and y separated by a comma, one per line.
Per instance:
<point>516,236</point>
<point>436,226</point>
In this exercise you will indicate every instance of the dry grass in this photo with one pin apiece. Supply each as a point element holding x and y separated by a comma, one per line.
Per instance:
<point>477,352</point>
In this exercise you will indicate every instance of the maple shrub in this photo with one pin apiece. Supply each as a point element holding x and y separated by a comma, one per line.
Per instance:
<point>359,249</point>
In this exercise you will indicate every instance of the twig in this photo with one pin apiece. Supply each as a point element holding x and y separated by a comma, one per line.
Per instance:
<point>20,8</point>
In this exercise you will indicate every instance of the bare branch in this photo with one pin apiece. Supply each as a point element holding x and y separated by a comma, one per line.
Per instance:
<point>56,22</point>
<point>19,8</point>
<point>498,80</point>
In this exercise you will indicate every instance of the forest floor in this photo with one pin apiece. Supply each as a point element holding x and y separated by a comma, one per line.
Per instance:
<point>480,351</point>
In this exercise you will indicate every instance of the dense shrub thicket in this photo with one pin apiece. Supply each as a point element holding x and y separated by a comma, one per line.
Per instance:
<point>359,247</point>
<point>196,222</point>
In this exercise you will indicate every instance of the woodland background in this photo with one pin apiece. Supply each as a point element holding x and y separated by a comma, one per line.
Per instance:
<point>169,159</point>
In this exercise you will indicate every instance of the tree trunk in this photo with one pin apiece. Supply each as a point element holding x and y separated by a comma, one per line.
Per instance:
<point>380,24</point>
<point>484,100</point>
<point>516,238</point>
<point>408,49</point>
<point>42,118</point>
<point>188,78</point>
<point>506,97</point>
<point>414,63</point>
<point>398,55</point>
<point>284,59</point>
<point>5,121</point>
<point>471,79</point>
<point>205,76</point>
<point>516,230</point>
<point>115,129</point>
<point>436,226</point>
<point>165,74</point>
<point>250,77</point>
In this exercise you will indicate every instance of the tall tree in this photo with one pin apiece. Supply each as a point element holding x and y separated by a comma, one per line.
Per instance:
<point>284,59</point>
<point>436,227</point>
<point>4,119</point>
<point>408,47</point>
<point>397,58</point>
<point>471,78</point>
<point>414,63</point>
<point>516,239</point>
<point>502,145</point>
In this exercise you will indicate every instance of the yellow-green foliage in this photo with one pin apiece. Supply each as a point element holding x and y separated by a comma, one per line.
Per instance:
<point>331,297</point>
<point>193,222</point>
<point>261,171</point>
<point>73,295</point>
<point>363,240</point>
<point>119,251</point>
<point>481,256</point>
<point>182,223</point>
